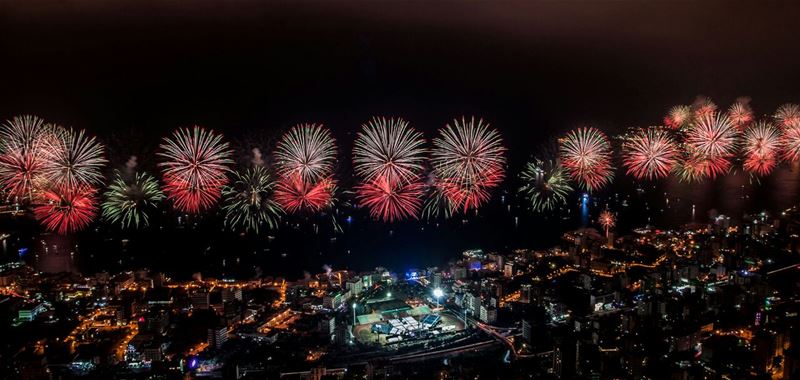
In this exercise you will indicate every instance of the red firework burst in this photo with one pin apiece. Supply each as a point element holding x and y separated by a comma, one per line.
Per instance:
<point>788,115</point>
<point>390,200</point>
<point>294,194</point>
<point>649,154</point>
<point>713,139</point>
<point>20,171</point>
<point>469,158</point>
<point>195,167</point>
<point>790,143</point>
<point>67,210</point>
<point>703,107</point>
<point>190,197</point>
<point>740,114</point>
<point>695,168</point>
<point>586,154</point>
<point>464,196</point>
<point>761,148</point>
<point>21,155</point>
<point>678,117</point>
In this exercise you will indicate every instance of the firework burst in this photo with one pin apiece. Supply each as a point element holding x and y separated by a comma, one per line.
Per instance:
<point>545,184</point>
<point>194,168</point>
<point>21,155</point>
<point>388,148</point>
<point>67,210</point>
<point>128,201</point>
<point>295,195</point>
<point>391,200</point>
<point>607,220</point>
<point>790,143</point>
<point>436,204</point>
<point>468,158</point>
<point>713,139</point>
<point>247,201</point>
<point>678,117</point>
<point>71,158</point>
<point>740,114</point>
<point>761,148</point>
<point>307,150</point>
<point>788,115</point>
<point>649,154</point>
<point>691,168</point>
<point>703,107</point>
<point>586,154</point>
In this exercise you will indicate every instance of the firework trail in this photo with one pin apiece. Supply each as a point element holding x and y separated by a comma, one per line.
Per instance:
<point>761,148</point>
<point>194,167</point>
<point>586,154</point>
<point>307,150</point>
<point>247,202</point>
<point>127,202</point>
<point>607,220</point>
<point>67,210</point>
<point>649,154</point>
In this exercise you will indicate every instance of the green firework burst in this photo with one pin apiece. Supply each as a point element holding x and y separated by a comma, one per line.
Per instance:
<point>128,200</point>
<point>545,184</point>
<point>248,203</point>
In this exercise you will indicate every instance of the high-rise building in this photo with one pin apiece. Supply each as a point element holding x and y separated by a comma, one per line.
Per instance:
<point>355,286</point>
<point>327,326</point>
<point>217,336</point>
<point>155,322</point>
<point>332,300</point>
<point>459,273</point>
<point>472,302</point>
<point>436,282</point>
<point>341,334</point>
<point>526,293</point>
<point>200,299</point>
<point>230,294</point>
<point>508,270</point>
<point>488,314</point>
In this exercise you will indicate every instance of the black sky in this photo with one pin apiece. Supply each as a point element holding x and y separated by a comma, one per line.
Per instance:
<point>141,68</point>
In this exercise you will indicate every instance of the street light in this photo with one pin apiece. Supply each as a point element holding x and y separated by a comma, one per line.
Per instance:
<point>354,313</point>
<point>437,293</point>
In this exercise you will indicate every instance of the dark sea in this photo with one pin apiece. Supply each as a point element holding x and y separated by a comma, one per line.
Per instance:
<point>301,245</point>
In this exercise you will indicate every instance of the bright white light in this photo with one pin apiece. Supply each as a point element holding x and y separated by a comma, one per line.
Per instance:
<point>438,293</point>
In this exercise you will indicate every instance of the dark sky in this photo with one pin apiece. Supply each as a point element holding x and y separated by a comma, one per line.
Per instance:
<point>142,68</point>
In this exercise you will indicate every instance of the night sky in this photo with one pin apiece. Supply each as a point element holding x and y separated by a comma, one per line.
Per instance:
<point>253,68</point>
